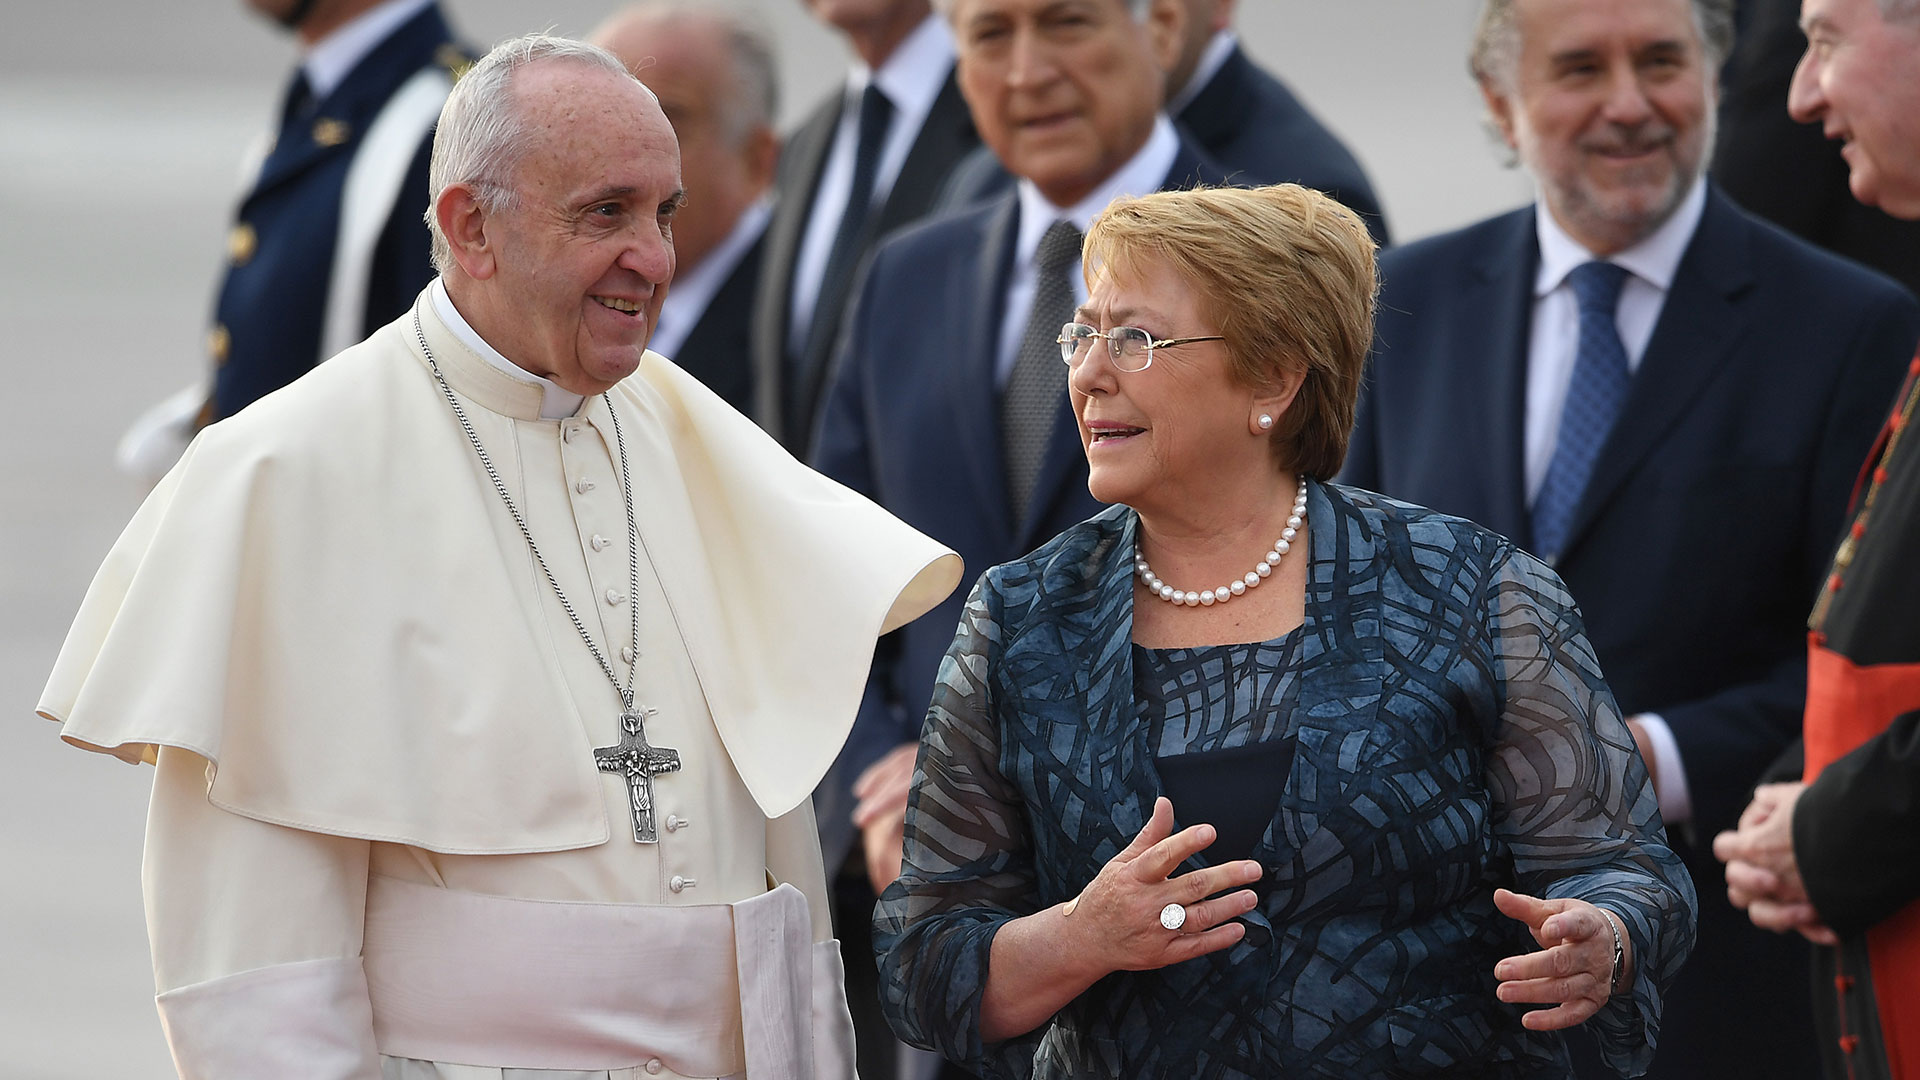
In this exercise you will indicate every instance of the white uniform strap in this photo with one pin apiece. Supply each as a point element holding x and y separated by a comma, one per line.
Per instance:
<point>373,185</point>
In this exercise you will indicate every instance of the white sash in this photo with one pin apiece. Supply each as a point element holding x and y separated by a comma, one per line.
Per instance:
<point>708,990</point>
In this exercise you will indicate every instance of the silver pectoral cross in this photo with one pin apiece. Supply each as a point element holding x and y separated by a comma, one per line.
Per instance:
<point>639,763</point>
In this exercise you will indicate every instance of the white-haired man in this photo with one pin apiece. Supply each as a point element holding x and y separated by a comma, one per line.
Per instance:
<point>487,669</point>
<point>1656,399</point>
<point>1838,856</point>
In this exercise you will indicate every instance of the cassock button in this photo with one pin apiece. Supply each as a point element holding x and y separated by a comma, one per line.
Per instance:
<point>599,542</point>
<point>677,883</point>
<point>568,430</point>
<point>583,486</point>
<point>242,242</point>
<point>626,653</point>
<point>615,598</point>
<point>654,1065</point>
<point>674,821</point>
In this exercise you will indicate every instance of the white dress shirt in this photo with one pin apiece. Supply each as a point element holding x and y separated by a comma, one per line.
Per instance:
<point>555,402</point>
<point>1555,338</point>
<point>693,287</point>
<point>911,79</point>
<point>1143,174</point>
<point>331,59</point>
<point>1211,61</point>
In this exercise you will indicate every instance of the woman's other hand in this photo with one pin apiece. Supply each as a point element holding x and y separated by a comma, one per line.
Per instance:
<point>1574,968</point>
<point>1118,913</point>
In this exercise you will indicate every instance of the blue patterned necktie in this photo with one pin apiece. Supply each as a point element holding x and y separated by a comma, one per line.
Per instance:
<point>1594,397</point>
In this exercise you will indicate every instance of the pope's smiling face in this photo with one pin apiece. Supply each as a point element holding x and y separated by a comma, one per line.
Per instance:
<point>583,251</point>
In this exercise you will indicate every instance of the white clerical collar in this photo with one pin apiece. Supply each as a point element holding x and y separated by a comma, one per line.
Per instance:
<point>1143,174</point>
<point>693,290</point>
<point>1211,61</point>
<point>555,402</point>
<point>913,75</point>
<point>1653,260</point>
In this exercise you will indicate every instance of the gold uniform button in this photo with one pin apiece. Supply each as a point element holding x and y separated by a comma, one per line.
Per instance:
<point>330,132</point>
<point>218,344</point>
<point>242,242</point>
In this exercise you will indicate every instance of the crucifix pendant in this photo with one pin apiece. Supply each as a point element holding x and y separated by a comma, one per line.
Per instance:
<point>639,763</point>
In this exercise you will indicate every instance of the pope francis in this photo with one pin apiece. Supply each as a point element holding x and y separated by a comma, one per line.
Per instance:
<point>487,669</point>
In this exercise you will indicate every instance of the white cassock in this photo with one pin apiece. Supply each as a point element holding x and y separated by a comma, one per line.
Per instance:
<point>379,844</point>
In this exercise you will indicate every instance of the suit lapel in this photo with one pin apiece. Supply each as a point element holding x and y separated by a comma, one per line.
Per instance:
<point>801,163</point>
<point>975,391</point>
<point>1212,116</point>
<point>945,137</point>
<point>1503,308</point>
<point>1698,330</point>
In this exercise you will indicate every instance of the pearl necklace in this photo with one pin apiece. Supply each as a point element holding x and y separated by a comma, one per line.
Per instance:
<point>1265,568</point>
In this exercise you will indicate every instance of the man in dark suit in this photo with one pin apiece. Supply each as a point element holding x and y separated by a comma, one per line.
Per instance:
<point>948,404</point>
<point>1666,398</point>
<point>1241,117</point>
<point>869,159</point>
<point>714,74</point>
<point>1249,122</point>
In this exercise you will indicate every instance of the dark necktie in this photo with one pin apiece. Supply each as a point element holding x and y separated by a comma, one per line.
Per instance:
<point>1031,400</point>
<point>1594,397</point>
<point>876,114</point>
<point>300,101</point>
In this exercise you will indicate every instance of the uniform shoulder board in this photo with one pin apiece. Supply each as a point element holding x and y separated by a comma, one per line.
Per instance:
<point>455,59</point>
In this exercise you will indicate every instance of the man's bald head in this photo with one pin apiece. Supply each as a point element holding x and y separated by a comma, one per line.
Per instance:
<point>713,72</point>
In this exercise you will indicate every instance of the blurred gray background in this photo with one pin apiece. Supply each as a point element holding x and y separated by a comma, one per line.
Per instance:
<point>121,127</point>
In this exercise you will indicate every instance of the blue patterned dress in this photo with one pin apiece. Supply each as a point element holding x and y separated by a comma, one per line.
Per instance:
<point>1451,733</point>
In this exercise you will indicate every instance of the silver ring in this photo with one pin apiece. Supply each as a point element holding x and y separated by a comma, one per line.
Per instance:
<point>1173,916</point>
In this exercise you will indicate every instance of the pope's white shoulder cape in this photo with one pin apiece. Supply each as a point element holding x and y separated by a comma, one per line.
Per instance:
<point>314,601</point>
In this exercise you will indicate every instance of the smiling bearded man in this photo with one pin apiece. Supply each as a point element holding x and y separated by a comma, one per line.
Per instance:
<point>472,663</point>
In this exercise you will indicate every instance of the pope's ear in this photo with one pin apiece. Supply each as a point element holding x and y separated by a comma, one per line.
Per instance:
<point>463,221</point>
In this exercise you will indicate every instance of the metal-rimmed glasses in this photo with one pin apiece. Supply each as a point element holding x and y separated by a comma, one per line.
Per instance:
<point>1128,347</point>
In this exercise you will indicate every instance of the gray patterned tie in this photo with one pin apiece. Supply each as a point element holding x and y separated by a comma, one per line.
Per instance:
<point>1032,396</point>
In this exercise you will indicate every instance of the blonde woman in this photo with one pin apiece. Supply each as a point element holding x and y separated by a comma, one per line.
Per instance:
<point>1252,775</point>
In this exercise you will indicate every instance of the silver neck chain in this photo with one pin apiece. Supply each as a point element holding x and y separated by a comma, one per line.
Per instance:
<point>633,531</point>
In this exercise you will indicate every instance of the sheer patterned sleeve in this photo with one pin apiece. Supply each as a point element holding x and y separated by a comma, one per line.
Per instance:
<point>968,866</point>
<point>1572,800</point>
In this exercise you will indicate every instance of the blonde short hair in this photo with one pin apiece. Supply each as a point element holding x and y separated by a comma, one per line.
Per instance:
<point>1285,273</point>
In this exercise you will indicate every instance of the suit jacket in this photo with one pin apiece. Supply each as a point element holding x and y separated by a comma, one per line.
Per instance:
<point>912,420</point>
<point>1414,790</point>
<point>1260,133</point>
<point>945,137</point>
<point>719,349</point>
<point>1703,535</point>
<point>269,319</point>
<point>1252,126</point>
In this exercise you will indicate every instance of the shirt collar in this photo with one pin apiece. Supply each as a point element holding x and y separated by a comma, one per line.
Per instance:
<point>911,77</point>
<point>1143,174</point>
<point>331,59</point>
<point>692,291</point>
<point>555,402</point>
<point>1653,260</point>
<point>1211,61</point>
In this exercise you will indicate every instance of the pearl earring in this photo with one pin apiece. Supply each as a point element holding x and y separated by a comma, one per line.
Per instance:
<point>1265,421</point>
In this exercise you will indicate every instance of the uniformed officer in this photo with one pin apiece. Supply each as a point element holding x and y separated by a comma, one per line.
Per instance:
<point>329,242</point>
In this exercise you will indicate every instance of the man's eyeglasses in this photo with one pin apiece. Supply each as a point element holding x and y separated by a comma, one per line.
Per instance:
<point>1129,347</point>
